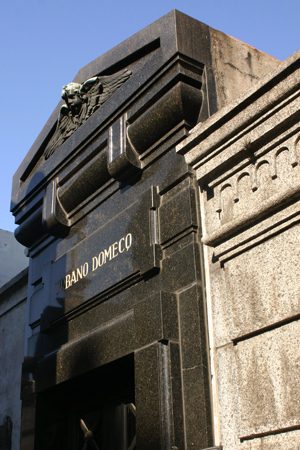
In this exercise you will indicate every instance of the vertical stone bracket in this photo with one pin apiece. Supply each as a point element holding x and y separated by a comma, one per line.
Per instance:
<point>122,159</point>
<point>54,218</point>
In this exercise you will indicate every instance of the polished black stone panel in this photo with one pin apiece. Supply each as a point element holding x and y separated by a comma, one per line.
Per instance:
<point>194,365</point>
<point>176,397</point>
<point>173,221</point>
<point>156,319</point>
<point>28,423</point>
<point>190,306</point>
<point>147,398</point>
<point>160,416</point>
<point>122,250</point>
<point>198,432</point>
<point>174,276</point>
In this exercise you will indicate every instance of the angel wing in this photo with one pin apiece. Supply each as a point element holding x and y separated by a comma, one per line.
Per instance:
<point>64,128</point>
<point>111,83</point>
<point>100,89</point>
<point>96,91</point>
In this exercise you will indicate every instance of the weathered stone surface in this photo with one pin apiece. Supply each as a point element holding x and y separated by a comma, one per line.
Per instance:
<point>12,257</point>
<point>262,284</point>
<point>268,367</point>
<point>256,288</point>
<point>12,326</point>
<point>258,387</point>
<point>282,441</point>
<point>228,397</point>
<point>237,67</point>
<point>224,140</point>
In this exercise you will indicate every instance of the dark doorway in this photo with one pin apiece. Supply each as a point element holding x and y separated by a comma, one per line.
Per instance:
<point>95,411</point>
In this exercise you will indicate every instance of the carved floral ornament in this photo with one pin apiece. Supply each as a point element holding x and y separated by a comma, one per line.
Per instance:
<point>82,100</point>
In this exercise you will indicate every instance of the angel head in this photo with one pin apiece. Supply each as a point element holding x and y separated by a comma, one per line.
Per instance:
<point>74,97</point>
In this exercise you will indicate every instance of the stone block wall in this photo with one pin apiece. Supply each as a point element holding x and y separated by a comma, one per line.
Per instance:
<point>12,328</point>
<point>12,257</point>
<point>246,160</point>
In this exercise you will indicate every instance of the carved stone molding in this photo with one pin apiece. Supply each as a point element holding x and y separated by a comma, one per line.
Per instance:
<point>255,191</point>
<point>246,159</point>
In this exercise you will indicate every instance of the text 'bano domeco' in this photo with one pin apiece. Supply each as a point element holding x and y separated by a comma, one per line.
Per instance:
<point>113,251</point>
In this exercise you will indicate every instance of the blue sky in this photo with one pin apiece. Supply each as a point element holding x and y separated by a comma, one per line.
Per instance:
<point>46,42</point>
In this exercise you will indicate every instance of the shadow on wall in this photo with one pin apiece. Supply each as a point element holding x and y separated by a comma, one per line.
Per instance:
<point>6,434</point>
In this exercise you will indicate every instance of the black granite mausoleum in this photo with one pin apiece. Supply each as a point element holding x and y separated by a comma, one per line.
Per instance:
<point>116,340</point>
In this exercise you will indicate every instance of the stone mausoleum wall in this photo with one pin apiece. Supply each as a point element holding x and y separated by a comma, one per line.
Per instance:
<point>246,159</point>
<point>13,296</point>
<point>12,257</point>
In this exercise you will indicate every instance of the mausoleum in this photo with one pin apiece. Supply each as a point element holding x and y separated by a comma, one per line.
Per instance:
<point>159,207</point>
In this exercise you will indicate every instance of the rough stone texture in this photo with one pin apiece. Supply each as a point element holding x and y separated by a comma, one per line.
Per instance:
<point>229,409</point>
<point>256,294</point>
<point>268,366</point>
<point>5,433</point>
<point>12,257</point>
<point>283,441</point>
<point>237,66</point>
<point>12,329</point>
<point>262,286</point>
<point>246,159</point>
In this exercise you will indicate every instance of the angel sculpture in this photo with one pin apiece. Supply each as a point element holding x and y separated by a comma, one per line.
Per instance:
<point>82,100</point>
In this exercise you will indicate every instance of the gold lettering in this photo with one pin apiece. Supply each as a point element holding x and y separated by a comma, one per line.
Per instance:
<point>85,269</point>
<point>68,281</point>
<point>95,262</point>
<point>120,246</point>
<point>128,241</point>
<point>107,253</point>
<point>101,259</point>
<point>115,249</point>
<point>73,278</point>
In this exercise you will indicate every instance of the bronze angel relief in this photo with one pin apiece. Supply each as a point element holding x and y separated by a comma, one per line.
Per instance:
<point>82,100</point>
